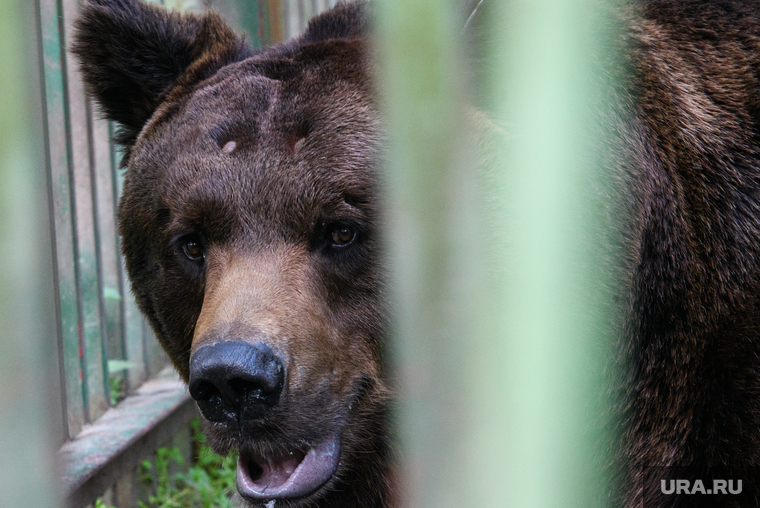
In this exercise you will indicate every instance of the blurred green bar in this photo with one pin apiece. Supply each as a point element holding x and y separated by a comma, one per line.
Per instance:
<point>551,306</point>
<point>501,322</point>
<point>58,147</point>
<point>28,349</point>
<point>432,233</point>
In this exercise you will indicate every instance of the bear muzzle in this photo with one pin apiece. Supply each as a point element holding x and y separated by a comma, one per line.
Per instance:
<point>234,381</point>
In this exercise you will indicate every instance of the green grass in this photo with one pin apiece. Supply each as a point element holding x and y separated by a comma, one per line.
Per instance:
<point>207,483</point>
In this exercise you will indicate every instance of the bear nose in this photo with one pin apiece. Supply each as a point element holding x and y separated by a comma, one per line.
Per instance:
<point>235,380</point>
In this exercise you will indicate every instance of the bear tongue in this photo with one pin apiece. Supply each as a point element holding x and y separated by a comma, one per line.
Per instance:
<point>291,476</point>
<point>274,471</point>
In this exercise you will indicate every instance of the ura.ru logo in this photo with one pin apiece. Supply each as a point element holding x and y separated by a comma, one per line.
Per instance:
<point>698,487</point>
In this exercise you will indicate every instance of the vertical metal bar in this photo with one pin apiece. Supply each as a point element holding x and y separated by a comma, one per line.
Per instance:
<point>107,242</point>
<point>274,13</point>
<point>132,331</point>
<point>248,12</point>
<point>549,304</point>
<point>123,285</point>
<point>265,22</point>
<point>56,123</point>
<point>292,18</point>
<point>133,336</point>
<point>156,357</point>
<point>500,323</point>
<point>433,235</point>
<point>27,310</point>
<point>89,287</point>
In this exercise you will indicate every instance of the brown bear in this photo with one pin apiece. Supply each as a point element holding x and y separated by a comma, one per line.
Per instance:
<point>249,225</point>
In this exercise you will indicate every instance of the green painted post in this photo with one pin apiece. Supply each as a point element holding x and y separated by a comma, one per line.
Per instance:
<point>155,355</point>
<point>500,325</point>
<point>132,321</point>
<point>433,237</point>
<point>58,150</point>
<point>110,262</point>
<point>551,305</point>
<point>91,326</point>
<point>249,13</point>
<point>29,402</point>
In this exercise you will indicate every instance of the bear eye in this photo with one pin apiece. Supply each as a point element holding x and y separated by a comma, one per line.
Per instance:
<point>341,235</point>
<point>193,250</point>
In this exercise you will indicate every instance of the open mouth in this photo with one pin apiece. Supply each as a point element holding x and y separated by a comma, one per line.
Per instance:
<point>293,474</point>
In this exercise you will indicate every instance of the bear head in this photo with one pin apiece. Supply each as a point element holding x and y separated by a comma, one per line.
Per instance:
<point>248,224</point>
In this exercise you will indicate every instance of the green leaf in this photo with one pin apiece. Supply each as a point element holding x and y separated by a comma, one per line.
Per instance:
<point>111,293</point>
<point>119,365</point>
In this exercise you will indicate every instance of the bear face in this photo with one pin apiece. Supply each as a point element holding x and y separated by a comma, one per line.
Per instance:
<point>247,221</point>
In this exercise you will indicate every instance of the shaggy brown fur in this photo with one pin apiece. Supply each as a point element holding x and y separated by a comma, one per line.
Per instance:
<point>263,213</point>
<point>693,169</point>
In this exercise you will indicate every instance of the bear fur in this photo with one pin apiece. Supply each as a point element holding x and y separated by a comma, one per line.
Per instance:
<point>256,161</point>
<point>248,169</point>
<point>692,168</point>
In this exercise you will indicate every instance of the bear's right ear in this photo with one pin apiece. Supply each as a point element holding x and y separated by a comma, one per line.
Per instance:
<point>133,56</point>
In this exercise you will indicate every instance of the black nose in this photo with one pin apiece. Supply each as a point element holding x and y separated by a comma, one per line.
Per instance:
<point>235,380</point>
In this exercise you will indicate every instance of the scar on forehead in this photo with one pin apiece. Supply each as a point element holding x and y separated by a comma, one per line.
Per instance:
<point>229,146</point>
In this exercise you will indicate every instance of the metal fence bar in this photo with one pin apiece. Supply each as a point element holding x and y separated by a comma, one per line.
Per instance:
<point>30,408</point>
<point>291,18</point>
<point>134,343</point>
<point>430,224</point>
<point>274,13</point>
<point>499,319</point>
<point>58,151</point>
<point>102,176</point>
<point>91,327</point>
<point>550,305</point>
<point>155,355</point>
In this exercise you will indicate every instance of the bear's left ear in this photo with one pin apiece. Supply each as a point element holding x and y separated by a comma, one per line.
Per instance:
<point>133,56</point>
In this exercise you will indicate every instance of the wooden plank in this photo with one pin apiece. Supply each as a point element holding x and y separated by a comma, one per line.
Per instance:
<point>27,308</point>
<point>123,437</point>
<point>91,326</point>
<point>57,125</point>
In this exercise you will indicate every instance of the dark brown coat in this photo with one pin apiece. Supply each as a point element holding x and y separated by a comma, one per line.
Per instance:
<point>238,240</point>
